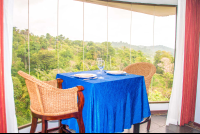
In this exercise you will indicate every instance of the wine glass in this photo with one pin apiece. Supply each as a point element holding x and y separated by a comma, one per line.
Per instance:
<point>101,65</point>
<point>97,64</point>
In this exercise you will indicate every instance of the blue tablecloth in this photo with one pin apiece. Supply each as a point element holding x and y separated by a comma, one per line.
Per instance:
<point>112,104</point>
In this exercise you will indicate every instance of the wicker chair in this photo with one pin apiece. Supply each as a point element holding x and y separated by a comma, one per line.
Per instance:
<point>147,70</point>
<point>51,103</point>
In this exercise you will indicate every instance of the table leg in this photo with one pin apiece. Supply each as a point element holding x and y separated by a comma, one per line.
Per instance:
<point>136,128</point>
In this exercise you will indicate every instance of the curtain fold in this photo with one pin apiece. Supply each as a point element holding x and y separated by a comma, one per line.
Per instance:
<point>190,62</point>
<point>2,89</point>
<point>174,111</point>
<point>9,93</point>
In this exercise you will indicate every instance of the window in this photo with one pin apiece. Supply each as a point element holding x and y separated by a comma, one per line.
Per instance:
<point>20,61</point>
<point>70,35</point>
<point>164,40</point>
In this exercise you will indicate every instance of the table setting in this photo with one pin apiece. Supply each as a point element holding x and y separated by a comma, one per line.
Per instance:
<point>101,73</point>
<point>91,76</point>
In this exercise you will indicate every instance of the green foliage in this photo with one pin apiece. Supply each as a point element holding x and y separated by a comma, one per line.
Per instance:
<point>156,96</point>
<point>159,70</point>
<point>44,59</point>
<point>17,88</point>
<point>44,42</point>
<point>168,80</point>
<point>22,102</point>
<point>51,55</point>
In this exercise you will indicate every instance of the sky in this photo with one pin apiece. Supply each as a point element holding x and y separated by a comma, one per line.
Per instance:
<point>43,19</point>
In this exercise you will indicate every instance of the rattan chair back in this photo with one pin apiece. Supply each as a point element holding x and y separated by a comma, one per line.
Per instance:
<point>49,100</point>
<point>142,68</point>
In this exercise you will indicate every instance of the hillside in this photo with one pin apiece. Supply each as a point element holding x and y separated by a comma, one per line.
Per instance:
<point>147,50</point>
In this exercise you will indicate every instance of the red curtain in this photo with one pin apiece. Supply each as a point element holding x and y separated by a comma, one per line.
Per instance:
<point>3,128</point>
<point>191,58</point>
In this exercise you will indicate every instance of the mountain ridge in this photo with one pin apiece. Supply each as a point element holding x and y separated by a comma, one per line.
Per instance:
<point>147,50</point>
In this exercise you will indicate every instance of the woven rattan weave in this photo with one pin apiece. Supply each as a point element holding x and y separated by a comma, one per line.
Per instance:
<point>49,100</point>
<point>142,68</point>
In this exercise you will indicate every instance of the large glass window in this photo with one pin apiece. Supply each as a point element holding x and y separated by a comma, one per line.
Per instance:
<point>70,30</point>
<point>142,38</point>
<point>69,35</point>
<point>20,61</point>
<point>43,40</point>
<point>119,21</point>
<point>164,38</point>
<point>95,33</point>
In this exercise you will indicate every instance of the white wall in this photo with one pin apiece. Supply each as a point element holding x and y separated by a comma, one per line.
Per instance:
<point>159,106</point>
<point>197,109</point>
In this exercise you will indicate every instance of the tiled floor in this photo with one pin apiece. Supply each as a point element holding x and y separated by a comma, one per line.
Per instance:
<point>158,126</point>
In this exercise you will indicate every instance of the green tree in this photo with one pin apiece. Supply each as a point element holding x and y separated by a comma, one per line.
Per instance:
<point>17,88</point>
<point>43,42</point>
<point>44,60</point>
<point>22,102</point>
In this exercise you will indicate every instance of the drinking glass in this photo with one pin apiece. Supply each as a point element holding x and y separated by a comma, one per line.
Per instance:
<point>97,64</point>
<point>101,65</point>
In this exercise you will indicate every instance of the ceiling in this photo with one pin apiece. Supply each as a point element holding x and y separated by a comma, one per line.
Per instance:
<point>156,8</point>
<point>157,2</point>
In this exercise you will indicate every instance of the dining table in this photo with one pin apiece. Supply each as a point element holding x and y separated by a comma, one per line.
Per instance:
<point>111,104</point>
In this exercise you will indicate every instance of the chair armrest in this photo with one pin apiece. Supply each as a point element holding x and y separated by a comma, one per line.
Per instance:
<point>81,99</point>
<point>59,82</point>
<point>58,102</point>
